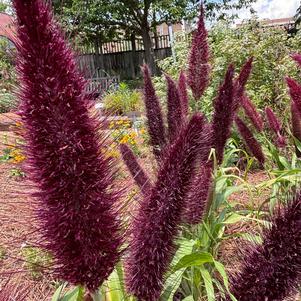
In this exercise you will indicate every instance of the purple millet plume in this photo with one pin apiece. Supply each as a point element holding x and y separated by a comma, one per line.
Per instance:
<point>274,123</point>
<point>275,126</point>
<point>135,169</point>
<point>271,271</point>
<point>198,67</point>
<point>296,125</point>
<point>250,140</point>
<point>197,197</point>
<point>159,216</point>
<point>295,92</point>
<point>244,74</point>
<point>76,203</point>
<point>241,82</point>
<point>174,106</point>
<point>252,113</point>
<point>154,114</point>
<point>297,58</point>
<point>223,114</point>
<point>182,88</point>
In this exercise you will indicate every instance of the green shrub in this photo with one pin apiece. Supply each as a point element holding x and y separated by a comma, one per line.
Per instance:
<point>271,48</point>
<point>8,102</point>
<point>122,101</point>
<point>7,69</point>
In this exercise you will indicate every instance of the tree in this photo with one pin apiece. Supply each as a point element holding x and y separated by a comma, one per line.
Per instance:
<point>98,19</point>
<point>3,6</point>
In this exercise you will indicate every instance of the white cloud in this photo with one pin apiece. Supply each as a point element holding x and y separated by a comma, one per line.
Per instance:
<point>272,9</point>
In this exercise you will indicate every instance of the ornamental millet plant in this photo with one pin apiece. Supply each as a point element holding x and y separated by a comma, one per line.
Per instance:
<point>176,197</point>
<point>271,271</point>
<point>76,202</point>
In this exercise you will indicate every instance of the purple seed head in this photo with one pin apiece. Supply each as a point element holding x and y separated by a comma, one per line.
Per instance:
<point>272,270</point>
<point>182,87</point>
<point>274,122</point>
<point>76,203</point>
<point>241,81</point>
<point>135,169</point>
<point>281,141</point>
<point>297,58</point>
<point>174,106</point>
<point>250,140</point>
<point>159,216</point>
<point>198,194</point>
<point>198,67</point>
<point>296,125</point>
<point>252,113</point>
<point>295,92</point>
<point>223,114</point>
<point>154,116</point>
<point>296,121</point>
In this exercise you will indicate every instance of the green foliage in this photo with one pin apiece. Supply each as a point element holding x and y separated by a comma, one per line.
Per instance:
<point>3,6</point>
<point>8,102</point>
<point>7,77</point>
<point>36,260</point>
<point>122,101</point>
<point>271,49</point>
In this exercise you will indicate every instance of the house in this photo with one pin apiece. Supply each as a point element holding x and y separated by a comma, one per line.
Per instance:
<point>7,28</point>
<point>285,23</point>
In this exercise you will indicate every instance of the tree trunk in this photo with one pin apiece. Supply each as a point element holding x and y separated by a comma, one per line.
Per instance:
<point>133,59</point>
<point>149,53</point>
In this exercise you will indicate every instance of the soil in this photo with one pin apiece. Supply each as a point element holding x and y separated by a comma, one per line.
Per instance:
<point>17,224</point>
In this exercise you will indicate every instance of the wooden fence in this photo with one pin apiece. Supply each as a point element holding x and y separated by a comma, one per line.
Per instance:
<point>134,44</point>
<point>98,85</point>
<point>125,64</point>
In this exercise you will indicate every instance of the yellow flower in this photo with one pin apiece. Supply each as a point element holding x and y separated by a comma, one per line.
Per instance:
<point>19,158</point>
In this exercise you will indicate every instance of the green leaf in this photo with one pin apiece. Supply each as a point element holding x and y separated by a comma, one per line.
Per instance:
<point>234,218</point>
<point>221,269</point>
<point>208,284</point>
<point>194,259</point>
<point>114,291</point>
<point>75,294</point>
<point>174,279</point>
<point>58,292</point>
<point>189,298</point>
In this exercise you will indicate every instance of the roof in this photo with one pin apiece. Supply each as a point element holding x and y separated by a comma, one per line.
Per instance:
<point>282,21</point>
<point>7,27</point>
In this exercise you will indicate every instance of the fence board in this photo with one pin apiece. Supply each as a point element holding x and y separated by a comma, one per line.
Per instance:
<point>124,64</point>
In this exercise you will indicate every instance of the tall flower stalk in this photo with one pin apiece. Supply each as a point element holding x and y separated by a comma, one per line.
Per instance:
<point>135,169</point>
<point>154,115</point>
<point>252,113</point>
<point>159,216</point>
<point>76,202</point>
<point>272,270</point>
<point>250,140</point>
<point>223,114</point>
<point>182,87</point>
<point>198,67</point>
<point>175,116</point>
<point>275,126</point>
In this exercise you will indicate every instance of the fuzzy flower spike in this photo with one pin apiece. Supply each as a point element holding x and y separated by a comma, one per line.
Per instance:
<point>159,216</point>
<point>272,271</point>
<point>275,126</point>
<point>198,67</point>
<point>154,115</point>
<point>223,114</point>
<point>75,203</point>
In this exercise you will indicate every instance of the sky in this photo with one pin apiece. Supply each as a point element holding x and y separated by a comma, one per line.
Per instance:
<point>272,9</point>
